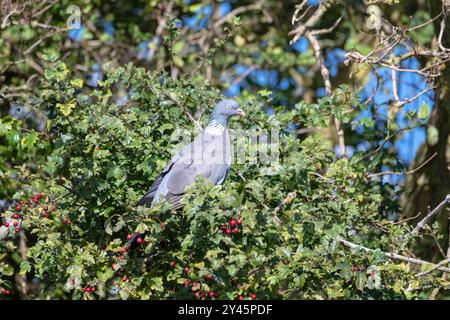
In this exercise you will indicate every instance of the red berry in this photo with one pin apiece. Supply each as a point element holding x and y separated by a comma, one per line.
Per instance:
<point>16,216</point>
<point>186,283</point>
<point>122,257</point>
<point>203,294</point>
<point>172,264</point>
<point>18,208</point>
<point>6,224</point>
<point>93,289</point>
<point>208,277</point>
<point>232,222</point>
<point>129,237</point>
<point>15,223</point>
<point>124,279</point>
<point>239,221</point>
<point>72,281</point>
<point>241,298</point>
<point>124,250</point>
<point>212,294</point>
<point>223,227</point>
<point>45,215</point>
<point>197,294</point>
<point>45,208</point>
<point>228,231</point>
<point>139,240</point>
<point>186,270</point>
<point>35,200</point>
<point>85,289</point>
<point>39,195</point>
<point>21,202</point>
<point>253,296</point>
<point>113,266</point>
<point>235,230</point>
<point>17,230</point>
<point>54,208</point>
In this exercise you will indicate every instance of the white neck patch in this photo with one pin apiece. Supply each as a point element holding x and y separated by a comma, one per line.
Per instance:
<point>214,128</point>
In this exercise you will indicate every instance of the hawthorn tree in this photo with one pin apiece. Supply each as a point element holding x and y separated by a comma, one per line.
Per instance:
<point>291,234</point>
<point>320,223</point>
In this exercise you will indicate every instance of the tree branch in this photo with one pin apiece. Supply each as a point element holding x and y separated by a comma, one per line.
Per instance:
<point>393,256</point>
<point>435,211</point>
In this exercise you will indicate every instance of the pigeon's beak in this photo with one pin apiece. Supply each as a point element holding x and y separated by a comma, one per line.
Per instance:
<point>240,112</point>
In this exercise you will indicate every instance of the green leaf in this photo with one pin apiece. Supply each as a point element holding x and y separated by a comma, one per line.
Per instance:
<point>77,83</point>
<point>141,228</point>
<point>424,111</point>
<point>25,267</point>
<point>65,108</point>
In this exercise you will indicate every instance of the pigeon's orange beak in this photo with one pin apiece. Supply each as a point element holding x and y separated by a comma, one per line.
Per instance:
<point>240,112</point>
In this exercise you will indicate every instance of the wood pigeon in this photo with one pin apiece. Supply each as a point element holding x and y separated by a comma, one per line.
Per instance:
<point>208,155</point>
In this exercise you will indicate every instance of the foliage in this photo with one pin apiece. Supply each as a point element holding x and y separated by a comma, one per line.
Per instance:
<point>85,128</point>
<point>104,156</point>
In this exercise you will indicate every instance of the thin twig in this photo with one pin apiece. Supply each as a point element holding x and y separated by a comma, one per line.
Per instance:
<point>291,196</point>
<point>435,211</point>
<point>326,77</point>
<point>391,255</point>
<point>400,173</point>
<point>436,267</point>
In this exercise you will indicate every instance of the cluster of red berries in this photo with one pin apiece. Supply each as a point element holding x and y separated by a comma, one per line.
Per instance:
<point>122,256</point>
<point>20,211</point>
<point>124,277</point>
<point>6,292</point>
<point>199,293</point>
<point>232,226</point>
<point>251,295</point>
<point>202,294</point>
<point>197,286</point>
<point>356,268</point>
<point>89,289</point>
<point>139,240</point>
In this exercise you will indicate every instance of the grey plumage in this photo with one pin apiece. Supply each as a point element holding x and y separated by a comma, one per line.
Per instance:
<point>209,156</point>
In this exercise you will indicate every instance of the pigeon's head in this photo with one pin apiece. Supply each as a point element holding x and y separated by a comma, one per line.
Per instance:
<point>226,109</point>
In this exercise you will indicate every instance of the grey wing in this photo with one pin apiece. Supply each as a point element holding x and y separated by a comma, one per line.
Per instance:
<point>207,156</point>
<point>174,184</point>
<point>182,155</point>
<point>148,197</point>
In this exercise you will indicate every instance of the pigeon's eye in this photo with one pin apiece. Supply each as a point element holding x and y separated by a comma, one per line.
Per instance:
<point>228,106</point>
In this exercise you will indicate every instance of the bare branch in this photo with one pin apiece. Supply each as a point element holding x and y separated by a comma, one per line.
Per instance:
<point>400,173</point>
<point>326,77</point>
<point>393,256</point>
<point>237,11</point>
<point>435,211</point>
<point>436,267</point>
